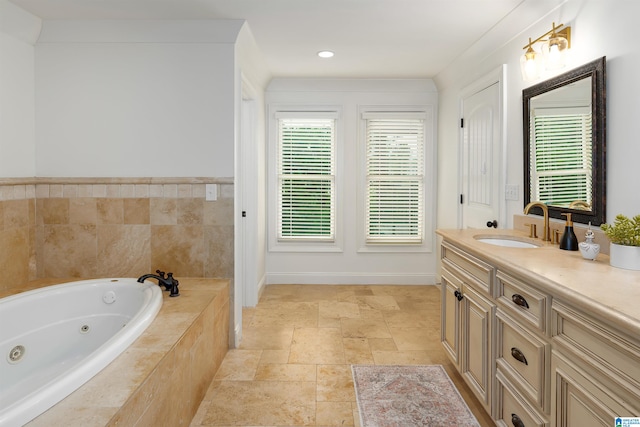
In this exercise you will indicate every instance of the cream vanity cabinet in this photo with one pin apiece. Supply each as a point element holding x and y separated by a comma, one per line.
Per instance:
<point>550,362</point>
<point>595,370</point>
<point>468,314</point>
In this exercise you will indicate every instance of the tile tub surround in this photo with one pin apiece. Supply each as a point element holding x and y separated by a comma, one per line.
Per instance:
<point>17,242</point>
<point>163,376</point>
<point>96,227</point>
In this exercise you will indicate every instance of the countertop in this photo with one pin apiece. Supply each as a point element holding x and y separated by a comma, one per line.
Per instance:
<point>608,293</point>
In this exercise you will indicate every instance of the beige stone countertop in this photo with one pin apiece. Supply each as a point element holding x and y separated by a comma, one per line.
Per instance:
<point>608,293</point>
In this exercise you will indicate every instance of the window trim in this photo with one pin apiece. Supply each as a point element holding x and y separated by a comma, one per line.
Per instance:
<point>427,114</point>
<point>275,113</point>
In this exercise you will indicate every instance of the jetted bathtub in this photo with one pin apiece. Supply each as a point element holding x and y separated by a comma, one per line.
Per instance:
<point>54,339</point>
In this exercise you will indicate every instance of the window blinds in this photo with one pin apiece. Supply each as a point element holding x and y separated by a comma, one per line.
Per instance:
<point>561,156</point>
<point>306,179</point>
<point>395,179</point>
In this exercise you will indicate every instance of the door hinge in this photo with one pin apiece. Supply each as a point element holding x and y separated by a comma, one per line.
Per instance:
<point>244,214</point>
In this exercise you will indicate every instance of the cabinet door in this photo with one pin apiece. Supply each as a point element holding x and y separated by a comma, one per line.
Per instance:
<point>450,316</point>
<point>477,359</point>
<point>581,400</point>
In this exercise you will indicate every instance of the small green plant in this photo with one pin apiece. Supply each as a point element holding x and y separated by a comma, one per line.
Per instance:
<point>623,231</point>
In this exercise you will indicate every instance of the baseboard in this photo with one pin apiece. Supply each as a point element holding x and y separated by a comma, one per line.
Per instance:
<point>350,279</point>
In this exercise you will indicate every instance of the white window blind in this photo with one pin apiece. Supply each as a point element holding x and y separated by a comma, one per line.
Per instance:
<point>395,178</point>
<point>306,179</point>
<point>561,156</point>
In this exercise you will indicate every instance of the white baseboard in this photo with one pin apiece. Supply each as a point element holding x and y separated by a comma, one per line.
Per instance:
<point>237,335</point>
<point>350,279</point>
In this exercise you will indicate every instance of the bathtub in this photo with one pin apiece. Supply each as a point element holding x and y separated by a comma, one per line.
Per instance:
<point>54,339</point>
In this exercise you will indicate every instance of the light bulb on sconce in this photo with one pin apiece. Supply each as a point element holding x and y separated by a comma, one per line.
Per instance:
<point>555,52</point>
<point>530,64</point>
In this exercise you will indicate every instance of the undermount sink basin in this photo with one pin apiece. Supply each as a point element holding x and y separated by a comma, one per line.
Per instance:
<point>507,241</point>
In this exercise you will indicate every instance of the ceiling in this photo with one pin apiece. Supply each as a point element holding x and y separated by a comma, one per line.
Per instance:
<point>370,38</point>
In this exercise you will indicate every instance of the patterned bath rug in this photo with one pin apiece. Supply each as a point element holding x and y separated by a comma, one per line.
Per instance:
<point>403,396</point>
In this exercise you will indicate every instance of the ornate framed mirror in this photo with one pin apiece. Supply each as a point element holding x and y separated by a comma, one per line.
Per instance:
<point>564,125</point>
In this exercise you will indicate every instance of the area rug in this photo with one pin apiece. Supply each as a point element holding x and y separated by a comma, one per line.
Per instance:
<point>403,396</point>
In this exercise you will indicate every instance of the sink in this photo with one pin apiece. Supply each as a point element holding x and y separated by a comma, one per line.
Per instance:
<point>507,241</point>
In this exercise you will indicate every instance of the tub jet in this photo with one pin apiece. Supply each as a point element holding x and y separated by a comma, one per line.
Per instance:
<point>16,354</point>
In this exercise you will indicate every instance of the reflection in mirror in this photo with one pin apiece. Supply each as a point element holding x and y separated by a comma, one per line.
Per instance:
<point>564,121</point>
<point>560,146</point>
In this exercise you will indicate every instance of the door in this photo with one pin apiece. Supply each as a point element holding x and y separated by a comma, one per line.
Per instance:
<point>476,356</point>
<point>450,315</point>
<point>482,169</point>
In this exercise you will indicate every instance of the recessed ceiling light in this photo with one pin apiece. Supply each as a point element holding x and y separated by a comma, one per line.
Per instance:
<point>325,54</point>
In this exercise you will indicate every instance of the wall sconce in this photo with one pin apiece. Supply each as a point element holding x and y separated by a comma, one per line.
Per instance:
<point>553,52</point>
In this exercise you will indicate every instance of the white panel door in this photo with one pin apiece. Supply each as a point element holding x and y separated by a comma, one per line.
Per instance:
<point>481,155</point>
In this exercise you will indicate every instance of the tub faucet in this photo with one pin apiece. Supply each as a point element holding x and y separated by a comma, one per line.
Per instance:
<point>169,283</point>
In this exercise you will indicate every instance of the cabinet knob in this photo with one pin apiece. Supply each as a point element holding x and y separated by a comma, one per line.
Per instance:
<point>518,355</point>
<point>458,295</point>
<point>516,421</point>
<point>519,300</point>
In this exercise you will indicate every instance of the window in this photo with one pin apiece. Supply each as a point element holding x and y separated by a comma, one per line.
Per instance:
<point>306,177</point>
<point>395,158</point>
<point>561,155</point>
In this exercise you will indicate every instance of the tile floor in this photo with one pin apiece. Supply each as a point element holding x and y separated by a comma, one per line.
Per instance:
<point>293,367</point>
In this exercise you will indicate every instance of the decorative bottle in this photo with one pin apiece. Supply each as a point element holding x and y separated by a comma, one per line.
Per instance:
<point>588,249</point>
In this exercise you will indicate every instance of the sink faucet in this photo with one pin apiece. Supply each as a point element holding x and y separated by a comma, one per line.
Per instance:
<point>169,283</point>
<point>545,213</point>
<point>580,204</point>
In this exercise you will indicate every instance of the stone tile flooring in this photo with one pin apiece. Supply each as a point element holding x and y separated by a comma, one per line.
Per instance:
<point>293,367</point>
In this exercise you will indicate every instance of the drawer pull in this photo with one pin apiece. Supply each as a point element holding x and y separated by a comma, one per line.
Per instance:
<point>458,295</point>
<point>516,421</point>
<point>517,354</point>
<point>519,300</point>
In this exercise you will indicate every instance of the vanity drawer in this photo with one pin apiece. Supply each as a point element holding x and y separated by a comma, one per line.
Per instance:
<point>526,303</point>
<point>470,265</point>
<point>524,358</point>
<point>511,409</point>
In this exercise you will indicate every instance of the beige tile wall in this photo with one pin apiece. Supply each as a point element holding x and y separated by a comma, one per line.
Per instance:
<point>113,228</point>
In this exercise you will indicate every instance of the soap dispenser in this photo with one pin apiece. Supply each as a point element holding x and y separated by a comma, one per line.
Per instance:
<point>588,249</point>
<point>569,241</point>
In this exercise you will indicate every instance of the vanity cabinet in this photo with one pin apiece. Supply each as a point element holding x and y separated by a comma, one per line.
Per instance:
<point>468,316</point>
<point>595,370</point>
<point>549,361</point>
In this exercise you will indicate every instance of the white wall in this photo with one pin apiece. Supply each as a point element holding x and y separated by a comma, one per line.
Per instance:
<point>599,28</point>
<point>253,78</point>
<point>135,98</point>
<point>18,33</point>
<point>348,263</point>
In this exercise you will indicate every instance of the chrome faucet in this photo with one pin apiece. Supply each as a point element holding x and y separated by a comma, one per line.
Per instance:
<point>169,283</point>
<point>545,213</point>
